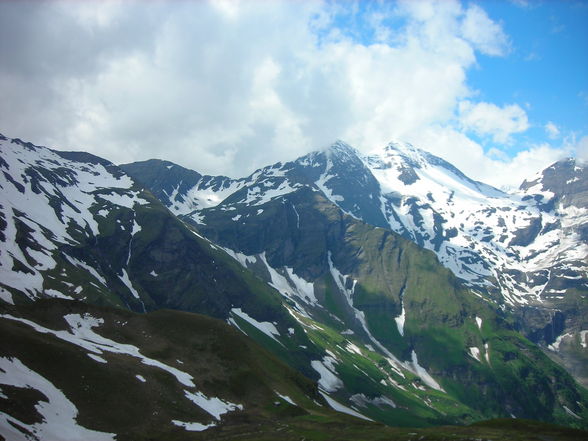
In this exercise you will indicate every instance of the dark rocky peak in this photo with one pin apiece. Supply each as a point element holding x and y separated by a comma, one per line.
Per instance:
<point>20,142</point>
<point>341,152</point>
<point>163,177</point>
<point>567,180</point>
<point>83,157</point>
<point>87,158</point>
<point>307,169</point>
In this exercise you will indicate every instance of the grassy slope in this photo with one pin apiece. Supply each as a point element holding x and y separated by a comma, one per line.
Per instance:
<point>224,363</point>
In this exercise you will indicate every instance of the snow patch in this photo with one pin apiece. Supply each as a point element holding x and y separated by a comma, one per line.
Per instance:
<point>285,398</point>
<point>302,287</point>
<point>267,328</point>
<point>425,376</point>
<point>329,381</point>
<point>6,296</point>
<point>341,408</point>
<point>243,259</point>
<point>81,334</point>
<point>569,412</point>
<point>353,348</point>
<point>193,427</point>
<point>56,294</point>
<point>97,358</point>
<point>321,183</point>
<point>475,353</point>
<point>86,267</point>
<point>362,400</point>
<point>555,345</point>
<point>291,286</point>
<point>214,406</point>
<point>127,200</point>
<point>59,414</point>
<point>400,320</point>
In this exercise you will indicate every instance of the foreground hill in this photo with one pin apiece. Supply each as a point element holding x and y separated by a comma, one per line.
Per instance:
<point>72,371</point>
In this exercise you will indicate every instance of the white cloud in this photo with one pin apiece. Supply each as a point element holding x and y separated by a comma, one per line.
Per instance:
<point>489,119</point>
<point>528,162</point>
<point>484,33</point>
<point>551,130</point>
<point>226,87</point>
<point>493,167</point>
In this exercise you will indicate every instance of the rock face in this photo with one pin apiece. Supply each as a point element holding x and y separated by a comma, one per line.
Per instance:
<point>303,258</point>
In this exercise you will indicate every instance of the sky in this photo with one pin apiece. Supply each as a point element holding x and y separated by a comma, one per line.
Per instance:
<point>498,88</point>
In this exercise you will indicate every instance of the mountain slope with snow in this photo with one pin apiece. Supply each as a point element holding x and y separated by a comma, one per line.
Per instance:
<point>308,242</point>
<point>289,256</point>
<point>139,256</point>
<point>525,251</point>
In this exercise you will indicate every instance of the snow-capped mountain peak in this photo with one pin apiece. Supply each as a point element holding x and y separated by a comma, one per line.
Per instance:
<point>504,243</point>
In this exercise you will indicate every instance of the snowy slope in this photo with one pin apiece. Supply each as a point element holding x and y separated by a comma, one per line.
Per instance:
<point>524,250</point>
<point>506,243</point>
<point>485,236</point>
<point>51,200</point>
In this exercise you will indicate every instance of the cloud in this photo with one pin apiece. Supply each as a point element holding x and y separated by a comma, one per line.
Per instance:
<point>581,149</point>
<point>484,33</point>
<point>494,167</point>
<point>551,130</point>
<point>226,87</point>
<point>489,119</point>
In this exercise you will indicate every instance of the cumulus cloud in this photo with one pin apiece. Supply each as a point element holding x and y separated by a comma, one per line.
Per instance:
<point>525,164</point>
<point>228,86</point>
<point>490,119</point>
<point>551,130</point>
<point>484,33</point>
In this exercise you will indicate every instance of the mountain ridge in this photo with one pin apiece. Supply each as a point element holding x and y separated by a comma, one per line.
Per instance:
<point>358,308</point>
<point>519,249</point>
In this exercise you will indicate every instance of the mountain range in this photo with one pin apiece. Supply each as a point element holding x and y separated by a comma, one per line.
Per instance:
<point>339,287</point>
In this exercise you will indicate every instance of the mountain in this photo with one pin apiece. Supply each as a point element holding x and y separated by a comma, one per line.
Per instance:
<point>387,332</point>
<point>525,251</point>
<point>319,230</point>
